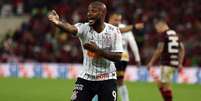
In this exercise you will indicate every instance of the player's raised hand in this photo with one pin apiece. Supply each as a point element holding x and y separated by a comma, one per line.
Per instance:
<point>53,17</point>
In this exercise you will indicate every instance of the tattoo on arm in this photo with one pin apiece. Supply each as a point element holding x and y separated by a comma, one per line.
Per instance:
<point>67,27</point>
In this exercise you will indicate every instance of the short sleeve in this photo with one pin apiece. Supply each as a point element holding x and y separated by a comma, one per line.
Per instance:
<point>117,46</point>
<point>80,29</point>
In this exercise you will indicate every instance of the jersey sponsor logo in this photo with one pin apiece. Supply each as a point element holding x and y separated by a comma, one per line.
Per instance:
<point>101,76</point>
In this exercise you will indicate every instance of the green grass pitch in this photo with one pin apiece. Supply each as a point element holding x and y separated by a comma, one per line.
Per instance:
<point>13,89</point>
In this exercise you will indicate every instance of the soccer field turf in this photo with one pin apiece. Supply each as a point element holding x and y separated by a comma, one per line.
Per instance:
<point>13,89</point>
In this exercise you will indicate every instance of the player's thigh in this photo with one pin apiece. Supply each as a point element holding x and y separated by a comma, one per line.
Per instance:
<point>121,68</point>
<point>108,92</point>
<point>167,74</point>
<point>82,91</point>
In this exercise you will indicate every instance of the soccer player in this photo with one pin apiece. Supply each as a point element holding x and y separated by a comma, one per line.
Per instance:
<point>170,50</point>
<point>102,46</point>
<point>127,39</point>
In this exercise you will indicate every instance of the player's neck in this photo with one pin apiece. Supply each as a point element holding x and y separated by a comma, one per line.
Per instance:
<point>99,27</point>
<point>163,30</point>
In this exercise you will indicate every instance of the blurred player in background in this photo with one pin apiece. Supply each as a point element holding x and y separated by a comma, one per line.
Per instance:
<point>101,44</point>
<point>127,39</point>
<point>170,50</point>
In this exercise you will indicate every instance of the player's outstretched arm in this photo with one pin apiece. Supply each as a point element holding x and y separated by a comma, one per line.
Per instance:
<point>112,56</point>
<point>157,54</point>
<point>129,28</point>
<point>181,54</point>
<point>126,29</point>
<point>54,18</point>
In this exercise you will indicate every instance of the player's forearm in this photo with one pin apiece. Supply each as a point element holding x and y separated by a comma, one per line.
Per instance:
<point>157,53</point>
<point>67,27</point>
<point>181,55</point>
<point>126,29</point>
<point>112,56</point>
<point>135,51</point>
<point>137,55</point>
<point>155,57</point>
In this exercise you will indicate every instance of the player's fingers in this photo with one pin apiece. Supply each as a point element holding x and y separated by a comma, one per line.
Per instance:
<point>50,15</point>
<point>86,45</point>
<point>92,42</point>
<point>89,47</point>
<point>54,12</point>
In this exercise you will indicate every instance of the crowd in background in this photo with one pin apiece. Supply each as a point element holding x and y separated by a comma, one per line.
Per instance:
<point>39,41</point>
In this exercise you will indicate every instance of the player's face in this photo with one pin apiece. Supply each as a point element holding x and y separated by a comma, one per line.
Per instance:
<point>157,27</point>
<point>94,14</point>
<point>115,20</point>
<point>160,27</point>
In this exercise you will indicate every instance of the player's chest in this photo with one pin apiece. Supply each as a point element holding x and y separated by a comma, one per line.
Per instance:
<point>103,40</point>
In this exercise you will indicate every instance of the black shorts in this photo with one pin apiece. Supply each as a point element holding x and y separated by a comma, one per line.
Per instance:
<point>85,90</point>
<point>121,68</point>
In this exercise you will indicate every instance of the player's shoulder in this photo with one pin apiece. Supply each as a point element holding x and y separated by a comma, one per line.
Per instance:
<point>82,24</point>
<point>171,32</point>
<point>111,27</point>
<point>168,33</point>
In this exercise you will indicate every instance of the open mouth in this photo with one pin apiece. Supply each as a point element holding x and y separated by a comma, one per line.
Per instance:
<point>91,21</point>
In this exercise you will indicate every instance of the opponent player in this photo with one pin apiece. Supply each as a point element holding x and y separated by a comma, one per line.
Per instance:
<point>127,39</point>
<point>171,52</point>
<point>101,44</point>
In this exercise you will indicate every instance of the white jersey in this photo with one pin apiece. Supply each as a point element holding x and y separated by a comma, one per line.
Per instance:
<point>97,68</point>
<point>129,39</point>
